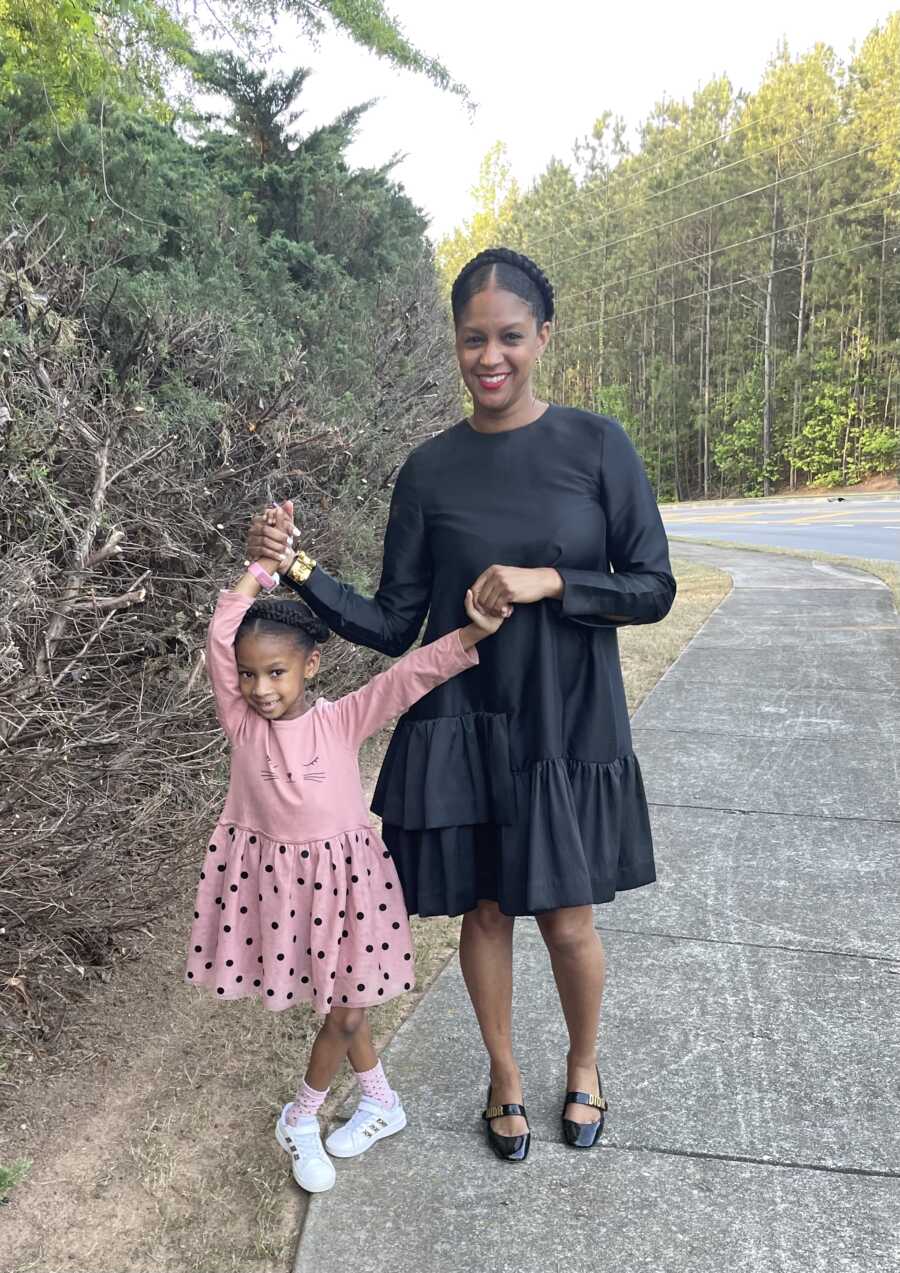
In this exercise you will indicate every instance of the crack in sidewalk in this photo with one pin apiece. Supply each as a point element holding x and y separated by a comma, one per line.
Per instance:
<point>774,813</point>
<point>850,736</point>
<point>784,1163</point>
<point>755,945</point>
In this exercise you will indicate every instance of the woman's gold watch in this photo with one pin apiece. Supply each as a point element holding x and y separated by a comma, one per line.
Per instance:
<point>301,567</point>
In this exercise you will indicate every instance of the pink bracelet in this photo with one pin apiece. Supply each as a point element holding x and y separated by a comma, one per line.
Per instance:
<point>262,576</point>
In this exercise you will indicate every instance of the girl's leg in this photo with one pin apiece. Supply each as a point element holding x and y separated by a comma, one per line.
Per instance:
<point>311,1166</point>
<point>361,1054</point>
<point>485,956</point>
<point>332,1044</point>
<point>579,968</point>
<point>345,1032</point>
<point>368,1069</point>
<point>382,1114</point>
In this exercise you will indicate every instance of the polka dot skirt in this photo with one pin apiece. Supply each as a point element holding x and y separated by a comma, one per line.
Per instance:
<point>322,922</point>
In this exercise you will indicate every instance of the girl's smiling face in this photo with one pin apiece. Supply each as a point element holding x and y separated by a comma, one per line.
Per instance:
<point>498,343</point>
<point>273,671</point>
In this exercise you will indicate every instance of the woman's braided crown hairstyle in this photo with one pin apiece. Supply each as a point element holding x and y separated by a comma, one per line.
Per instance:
<point>273,617</point>
<point>513,272</point>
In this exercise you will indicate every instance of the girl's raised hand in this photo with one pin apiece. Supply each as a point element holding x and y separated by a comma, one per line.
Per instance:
<point>486,623</point>
<point>270,537</point>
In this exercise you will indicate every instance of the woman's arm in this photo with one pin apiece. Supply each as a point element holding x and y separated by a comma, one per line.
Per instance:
<point>642,588</point>
<point>391,620</point>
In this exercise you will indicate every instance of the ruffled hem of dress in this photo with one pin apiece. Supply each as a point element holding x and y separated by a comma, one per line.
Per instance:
<point>447,771</point>
<point>307,999</point>
<point>581,835</point>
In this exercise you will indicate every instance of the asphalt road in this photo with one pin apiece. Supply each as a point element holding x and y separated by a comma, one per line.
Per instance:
<point>858,526</point>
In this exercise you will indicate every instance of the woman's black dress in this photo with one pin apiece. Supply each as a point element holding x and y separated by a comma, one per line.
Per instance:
<point>516,780</point>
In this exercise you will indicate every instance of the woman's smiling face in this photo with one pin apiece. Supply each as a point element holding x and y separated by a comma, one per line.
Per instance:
<point>497,344</point>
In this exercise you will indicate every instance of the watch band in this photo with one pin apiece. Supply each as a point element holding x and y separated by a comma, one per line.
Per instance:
<point>301,567</point>
<point>262,576</point>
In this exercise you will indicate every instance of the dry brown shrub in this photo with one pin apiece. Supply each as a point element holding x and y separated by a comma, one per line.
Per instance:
<point>118,526</point>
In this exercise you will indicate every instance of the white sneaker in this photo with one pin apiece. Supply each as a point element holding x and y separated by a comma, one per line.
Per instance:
<point>312,1168</point>
<point>371,1122</point>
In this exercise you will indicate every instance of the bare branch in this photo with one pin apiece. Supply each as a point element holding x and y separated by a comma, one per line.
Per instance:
<point>112,603</point>
<point>110,549</point>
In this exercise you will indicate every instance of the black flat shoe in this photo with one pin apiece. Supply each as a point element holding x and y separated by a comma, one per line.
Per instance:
<point>584,1135</point>
<point>509,1148</point>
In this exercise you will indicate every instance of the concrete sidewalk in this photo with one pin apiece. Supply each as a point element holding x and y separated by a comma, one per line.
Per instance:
<point>749,1040</point>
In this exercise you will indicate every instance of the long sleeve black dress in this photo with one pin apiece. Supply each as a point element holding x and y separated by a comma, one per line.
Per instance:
<point>516,781</point>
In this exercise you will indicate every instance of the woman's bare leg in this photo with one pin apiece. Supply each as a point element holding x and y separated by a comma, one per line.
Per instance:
<point>579,968</point>
<point>485,956</point>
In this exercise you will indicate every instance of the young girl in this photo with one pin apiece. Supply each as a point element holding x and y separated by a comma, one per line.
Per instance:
<point>298,898</point>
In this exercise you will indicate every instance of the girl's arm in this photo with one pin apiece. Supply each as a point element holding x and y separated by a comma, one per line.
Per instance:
<point>642,588</point>
<point>391,620</point>
<point>389,694</point>
<point>221,665</point>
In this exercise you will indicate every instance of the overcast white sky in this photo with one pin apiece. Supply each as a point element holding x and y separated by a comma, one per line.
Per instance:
<point>542,73</point>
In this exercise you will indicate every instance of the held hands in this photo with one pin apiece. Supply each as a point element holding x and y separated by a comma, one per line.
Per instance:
<point>481,624</point>
<point>500,587</point>
<point>266,546</point>
<point>488,623</point>
<point>270,538</point>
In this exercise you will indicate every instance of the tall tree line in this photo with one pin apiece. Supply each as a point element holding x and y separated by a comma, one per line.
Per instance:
<point>730,288</point>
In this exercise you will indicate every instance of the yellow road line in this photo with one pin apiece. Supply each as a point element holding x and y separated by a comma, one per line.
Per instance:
<point>750,515</point>
<point>753,519</point>
<point>825,517</point>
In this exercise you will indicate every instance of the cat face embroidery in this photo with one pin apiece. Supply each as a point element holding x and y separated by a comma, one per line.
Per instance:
<point>310,774</point>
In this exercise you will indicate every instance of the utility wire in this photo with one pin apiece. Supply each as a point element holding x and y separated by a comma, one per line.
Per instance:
<point>729,247</point>
<point>714,207</point>
<point>671,159</point>
<point>704,291</point>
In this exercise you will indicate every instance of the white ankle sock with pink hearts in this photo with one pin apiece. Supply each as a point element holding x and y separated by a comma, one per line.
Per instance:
<point>373,1084</point>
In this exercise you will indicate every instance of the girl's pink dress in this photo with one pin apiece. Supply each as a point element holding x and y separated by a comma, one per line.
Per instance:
<point>298,897</point>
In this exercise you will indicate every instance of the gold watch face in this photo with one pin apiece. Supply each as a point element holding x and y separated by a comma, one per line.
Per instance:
<point>302,568</point>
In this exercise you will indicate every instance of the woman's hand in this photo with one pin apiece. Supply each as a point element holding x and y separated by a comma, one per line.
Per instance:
<point>499,587</point>
<point>270,538</point>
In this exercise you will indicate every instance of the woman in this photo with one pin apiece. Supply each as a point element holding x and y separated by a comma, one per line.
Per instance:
<point>513,789</point>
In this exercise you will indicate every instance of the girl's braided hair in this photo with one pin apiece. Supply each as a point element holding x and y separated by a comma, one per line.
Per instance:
<point>510,270</point>
<point>274,617</point>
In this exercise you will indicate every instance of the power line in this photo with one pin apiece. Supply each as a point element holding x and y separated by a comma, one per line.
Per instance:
<point>713,207</point>
<point>703,256</point>
<point>688,150</point>
<point>704,291</point>
<point>658,194</point>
